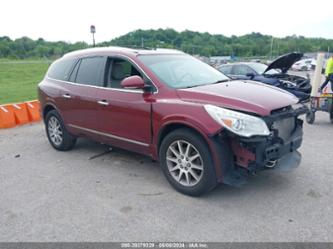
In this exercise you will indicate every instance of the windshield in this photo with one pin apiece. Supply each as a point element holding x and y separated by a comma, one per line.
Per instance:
<point>260,68</point>
<point>182,71</point>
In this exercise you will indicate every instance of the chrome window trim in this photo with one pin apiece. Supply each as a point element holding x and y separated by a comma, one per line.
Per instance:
<point>110,88</point>
<point>109,135</point>
<point>100,87</point>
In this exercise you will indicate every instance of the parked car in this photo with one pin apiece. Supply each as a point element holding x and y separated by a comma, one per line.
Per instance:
<point>202,127</point>
<point>303,65</point>
<point>314,64</point>
<point>275,74</point>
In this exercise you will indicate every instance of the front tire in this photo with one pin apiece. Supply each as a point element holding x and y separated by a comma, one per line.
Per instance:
<point>56,132</point>
<point>186,162</point>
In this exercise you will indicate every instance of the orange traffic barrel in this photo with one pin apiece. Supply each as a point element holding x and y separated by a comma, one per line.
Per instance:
<point>33,110</point>
<point>7,118</point>
<point>20,113</point>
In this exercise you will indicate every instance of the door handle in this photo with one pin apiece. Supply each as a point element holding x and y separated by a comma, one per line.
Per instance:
<point>67,96</point>
<point>103,102</point>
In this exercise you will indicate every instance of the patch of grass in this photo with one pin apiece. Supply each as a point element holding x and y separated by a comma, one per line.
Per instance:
<point>19,79</point>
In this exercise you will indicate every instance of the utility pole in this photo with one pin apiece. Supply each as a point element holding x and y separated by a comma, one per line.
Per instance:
<point>93,31</point>
<point>272,47</point>
<point>142,43</point>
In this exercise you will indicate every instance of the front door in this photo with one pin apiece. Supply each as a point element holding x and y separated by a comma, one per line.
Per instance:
<point>124,114</point>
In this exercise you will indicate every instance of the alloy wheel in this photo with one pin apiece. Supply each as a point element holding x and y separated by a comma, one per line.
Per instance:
<point>184,163</point>
<point>55,131</point>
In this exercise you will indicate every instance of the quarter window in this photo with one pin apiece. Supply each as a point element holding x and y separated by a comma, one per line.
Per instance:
<point>91,71</point>
<point>61,69</point>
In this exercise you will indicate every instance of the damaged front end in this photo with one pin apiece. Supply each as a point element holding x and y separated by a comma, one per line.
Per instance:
<point>292,82</point>
<point>250,155</point>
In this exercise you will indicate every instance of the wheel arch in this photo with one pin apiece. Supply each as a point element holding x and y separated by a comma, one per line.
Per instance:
<point>167,128</point>
<point>210,142</point>
<point>47,108</point>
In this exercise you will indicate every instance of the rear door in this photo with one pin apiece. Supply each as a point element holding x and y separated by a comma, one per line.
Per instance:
<point>79,97</point>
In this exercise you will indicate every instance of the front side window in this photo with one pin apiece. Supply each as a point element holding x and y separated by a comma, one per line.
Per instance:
<point>120,69</point>
<point>182,71</point>
<point>61,69</point>
<point>91,71</point>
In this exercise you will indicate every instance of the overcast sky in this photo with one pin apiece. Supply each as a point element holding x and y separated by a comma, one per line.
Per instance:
<point>70,20</point>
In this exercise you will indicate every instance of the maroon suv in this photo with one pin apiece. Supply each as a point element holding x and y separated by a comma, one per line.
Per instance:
<point>203,127</point>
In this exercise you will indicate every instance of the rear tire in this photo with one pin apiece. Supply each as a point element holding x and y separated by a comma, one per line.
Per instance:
<point>187,163</point>
<point>56,132</point>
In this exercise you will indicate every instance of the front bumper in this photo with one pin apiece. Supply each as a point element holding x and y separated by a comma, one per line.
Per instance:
<point>289,162</point>
<point>278,150</point>
<point>256,153</point>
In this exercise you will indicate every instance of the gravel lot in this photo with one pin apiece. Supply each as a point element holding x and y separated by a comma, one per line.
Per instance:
<point>47,195</point>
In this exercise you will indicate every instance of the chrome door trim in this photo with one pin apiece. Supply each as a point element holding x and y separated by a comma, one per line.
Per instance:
<point>103,102</point>
<point>109,135</point>
<point>67,96</point>
<point>99,87</point>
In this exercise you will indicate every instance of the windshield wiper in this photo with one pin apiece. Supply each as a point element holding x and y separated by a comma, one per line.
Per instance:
<point>215,82</point>
<point>220,81</point>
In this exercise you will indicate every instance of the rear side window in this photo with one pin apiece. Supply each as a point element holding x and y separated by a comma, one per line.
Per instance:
<point>91,71</point>
<point>61,69</point>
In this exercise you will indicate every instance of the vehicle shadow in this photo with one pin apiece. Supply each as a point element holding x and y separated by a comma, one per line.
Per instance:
<point>265,182</point>
<point>109,154</point>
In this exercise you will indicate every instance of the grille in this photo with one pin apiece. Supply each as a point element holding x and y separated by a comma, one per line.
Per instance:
<point>285,127</point>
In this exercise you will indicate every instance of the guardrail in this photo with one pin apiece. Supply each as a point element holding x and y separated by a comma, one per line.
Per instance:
<point>12,115</point>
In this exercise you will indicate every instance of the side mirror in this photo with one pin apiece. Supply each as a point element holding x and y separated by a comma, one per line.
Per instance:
<point>251,75</point>
<point>134,82</point>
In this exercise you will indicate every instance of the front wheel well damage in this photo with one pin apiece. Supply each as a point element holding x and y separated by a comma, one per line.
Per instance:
<point>171,127</point>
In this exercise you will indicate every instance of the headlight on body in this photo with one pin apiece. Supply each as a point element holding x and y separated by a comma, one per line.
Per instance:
<point>237,122</point>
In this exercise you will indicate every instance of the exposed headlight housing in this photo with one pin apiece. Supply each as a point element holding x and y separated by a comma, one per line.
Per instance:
<point>288,84</point>
<point>237,122</point>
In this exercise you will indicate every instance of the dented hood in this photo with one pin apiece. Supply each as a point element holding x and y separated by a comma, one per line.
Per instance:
<point>284,62</point>
<point>248,96</point>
